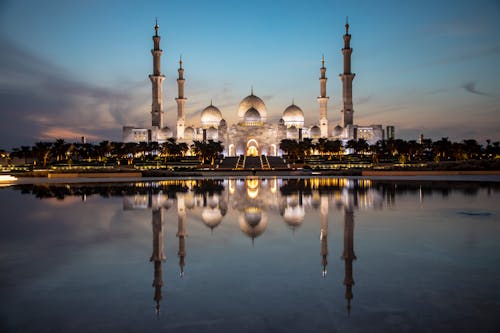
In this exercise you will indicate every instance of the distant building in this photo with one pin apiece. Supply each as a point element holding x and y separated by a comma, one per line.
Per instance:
<point>253,134</point>
<point>390,132</point>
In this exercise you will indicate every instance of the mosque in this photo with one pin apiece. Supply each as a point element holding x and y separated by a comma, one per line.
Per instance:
<point>253,134</point>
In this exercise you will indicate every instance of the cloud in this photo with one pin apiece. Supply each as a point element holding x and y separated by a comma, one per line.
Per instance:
<point>39,100</point>
<point>471,87</point>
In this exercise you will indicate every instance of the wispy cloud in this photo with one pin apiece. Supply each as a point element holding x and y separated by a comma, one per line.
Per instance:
<point>471,87</point>
<point>38,100</point>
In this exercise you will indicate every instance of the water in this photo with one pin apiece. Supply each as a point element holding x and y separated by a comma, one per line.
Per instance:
<point>251,255</point>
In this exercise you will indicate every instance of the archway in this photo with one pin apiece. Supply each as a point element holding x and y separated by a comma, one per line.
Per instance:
<point>252,148</point>
<point>231,151</point>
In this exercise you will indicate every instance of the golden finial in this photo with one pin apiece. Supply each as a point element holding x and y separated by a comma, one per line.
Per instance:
<point>251,90</point>
<point>322,61</point>
<point>347,24</point>
<point>180,61</point>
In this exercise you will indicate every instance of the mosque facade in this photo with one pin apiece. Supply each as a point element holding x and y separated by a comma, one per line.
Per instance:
<point>253,134</point>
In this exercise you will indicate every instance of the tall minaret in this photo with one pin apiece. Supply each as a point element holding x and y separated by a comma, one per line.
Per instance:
<point>348,254</point>
<point>157,80</point>
<point>323,100</point>
<point>346,78</point>
<point>158,256</point>
<point>181,101</point>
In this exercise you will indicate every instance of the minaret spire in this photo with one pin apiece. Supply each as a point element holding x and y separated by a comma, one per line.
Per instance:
<point>323,100</point>
<point>181,231</point>
<point>181,101</point>
<point>156,81</point>
<point>158,256</point>
<point>348,254</point>
<point>346,78</point>
<point>323,235</point>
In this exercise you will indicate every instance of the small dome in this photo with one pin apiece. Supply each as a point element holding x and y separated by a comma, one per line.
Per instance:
<point>293,115</point>
<point>294,216</point>
<point>189,133</point>
<point>212,133</point>
<point>253,222</point>
<point>292,132</point>
<point>211,217</point>
<point>211,116</point>
<point>249,102</point>
<point>315,132</point>
<point>164,134</point>
<point>252,115</point>
<point>222,123</point>
<point>337,130</point>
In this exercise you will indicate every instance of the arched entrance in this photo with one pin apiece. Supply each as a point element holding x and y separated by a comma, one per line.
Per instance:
<point>252,148</point>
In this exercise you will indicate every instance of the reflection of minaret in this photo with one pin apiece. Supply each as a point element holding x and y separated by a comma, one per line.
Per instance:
<point>323,236</point>
<point>157,80</point>
<point>181,101</point>
<point>158,255</point>
<point>348,254</point>
<point>323,100</point>
<point>346,78</point>
<point>181,231</point>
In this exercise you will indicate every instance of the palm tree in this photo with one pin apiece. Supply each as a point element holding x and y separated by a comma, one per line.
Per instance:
<point>42,151</point>
<point>334,147</point>
<point>442,149</point>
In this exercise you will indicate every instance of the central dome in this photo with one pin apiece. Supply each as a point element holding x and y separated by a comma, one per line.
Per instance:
<point>211,116</point>
<point>252,102</point>
<point>293,115</point>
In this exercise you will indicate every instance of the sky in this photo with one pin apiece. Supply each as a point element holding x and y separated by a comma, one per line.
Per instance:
<point>80,68</point>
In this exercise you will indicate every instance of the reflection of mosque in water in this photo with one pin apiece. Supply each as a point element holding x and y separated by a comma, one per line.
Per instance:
<point>253,199</point>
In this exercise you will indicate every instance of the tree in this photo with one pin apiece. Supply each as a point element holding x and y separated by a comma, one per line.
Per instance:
<point>42,151</point>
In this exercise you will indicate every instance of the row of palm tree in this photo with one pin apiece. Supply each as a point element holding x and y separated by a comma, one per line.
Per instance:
<point>111,152</point>
<point>398,149</point>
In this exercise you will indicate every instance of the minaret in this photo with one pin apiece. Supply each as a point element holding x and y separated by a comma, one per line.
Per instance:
<point>158,256</point>
<point>346,78</point>
<point>348,254</point>
<point>157,80</point>
<point>181,101</point>
<point>323,100</point>
<point>181,231</point>
<point>323,236</point>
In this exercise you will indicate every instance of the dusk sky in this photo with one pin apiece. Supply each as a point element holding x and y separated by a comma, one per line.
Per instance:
<point>80,68</point>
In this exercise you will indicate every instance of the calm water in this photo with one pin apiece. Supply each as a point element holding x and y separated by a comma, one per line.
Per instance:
<point>251,255</point>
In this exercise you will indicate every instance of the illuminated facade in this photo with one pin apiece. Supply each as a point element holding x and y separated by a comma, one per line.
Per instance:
<point>253,134</point>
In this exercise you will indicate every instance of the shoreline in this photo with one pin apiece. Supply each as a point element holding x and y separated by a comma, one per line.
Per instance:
<point>74,178</point>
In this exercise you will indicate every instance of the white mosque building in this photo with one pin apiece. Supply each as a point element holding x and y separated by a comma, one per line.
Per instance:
<point>253,134</point>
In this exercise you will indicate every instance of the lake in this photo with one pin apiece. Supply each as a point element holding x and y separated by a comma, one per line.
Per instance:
<point>251,255</point>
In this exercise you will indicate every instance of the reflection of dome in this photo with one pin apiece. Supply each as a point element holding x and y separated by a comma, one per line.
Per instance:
<point>211,116</point>
<point>294,216</point>
<point>249,102</point>
<point>189,200</point>
<point>293,115</point>
<point>253,222</point>
<point>211,217</point>
<point>213,201</point>
<point>337,130</point>
<point>252,116</point>
<point>315,132</point>
<point>189,133</point>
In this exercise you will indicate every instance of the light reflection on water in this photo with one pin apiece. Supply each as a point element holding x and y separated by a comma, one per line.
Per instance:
<point>409,242</point>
